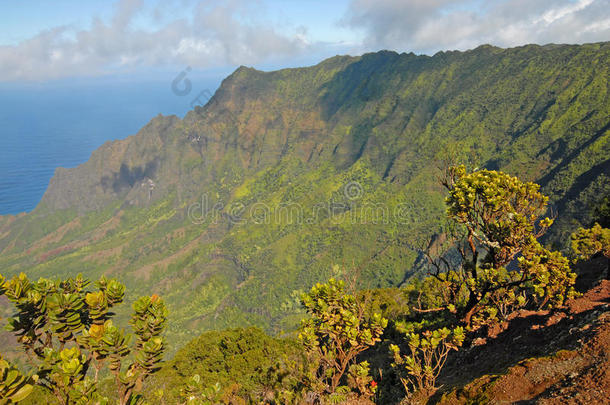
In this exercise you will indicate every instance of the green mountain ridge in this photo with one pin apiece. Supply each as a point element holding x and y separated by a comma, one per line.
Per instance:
<point>285,178</point>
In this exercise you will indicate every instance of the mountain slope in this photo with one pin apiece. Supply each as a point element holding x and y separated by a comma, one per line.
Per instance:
<point>285,178</point>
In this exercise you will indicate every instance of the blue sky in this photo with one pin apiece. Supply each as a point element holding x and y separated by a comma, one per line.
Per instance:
<point>45,40</point>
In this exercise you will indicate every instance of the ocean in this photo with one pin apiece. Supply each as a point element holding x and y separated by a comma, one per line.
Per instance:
<point>45,126</point>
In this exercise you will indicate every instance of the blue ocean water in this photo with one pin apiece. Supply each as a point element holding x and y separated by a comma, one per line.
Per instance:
<point>44,126</point>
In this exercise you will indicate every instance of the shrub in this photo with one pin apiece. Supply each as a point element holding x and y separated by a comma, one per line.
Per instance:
<point>246,358</point>
<point>428,352</point>
<point>14,386</point>
<point>589,242</point>
<point>67,331</point>
<point>336,332</point>
<point>550,275</point>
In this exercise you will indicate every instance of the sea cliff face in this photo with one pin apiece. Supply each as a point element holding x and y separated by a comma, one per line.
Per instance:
<point>115,171</point>
<point>176,208</point>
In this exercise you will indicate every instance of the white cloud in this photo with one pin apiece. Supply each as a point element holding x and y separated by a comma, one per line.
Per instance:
<point>555,14</point>
<point>221,33</point>
<point>431,25</point>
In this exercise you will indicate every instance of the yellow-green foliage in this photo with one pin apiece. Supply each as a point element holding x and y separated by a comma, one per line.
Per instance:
<point>588,242</point>
<point>549,273</point>
<point>501,218</point>
<point>428,353</point>
<point>336,331</point>
<point>499,211</point>
<point>360,380</point>
<point>67,329</point>
<point>195,393</point>
<point>14,386</point>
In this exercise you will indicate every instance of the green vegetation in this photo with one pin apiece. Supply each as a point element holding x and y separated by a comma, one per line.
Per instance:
<point>286,179</point>
<point>500,215</point>
<point>242,362</point>
<point>428,353</point>
<point>196,394</point>
<point>347,351</point>
<point>334,334</point>
<point>300,138</point>
<point>14,386</point>
<point>68,334</point>
<point>589,242</point>
<point>496,218</point>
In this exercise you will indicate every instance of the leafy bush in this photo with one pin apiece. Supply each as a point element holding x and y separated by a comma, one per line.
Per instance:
<point>67,330</point>
<point>428,353</point>
<point>499,212</point>
<point>550,275</point>
<point>14,386</point>
<point>360,381</point>
<point>245,362</point>
<point>589,242</point>
<point>336,332</point>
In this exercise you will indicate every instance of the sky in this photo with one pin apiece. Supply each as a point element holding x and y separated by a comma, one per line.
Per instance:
<point>43,40</point>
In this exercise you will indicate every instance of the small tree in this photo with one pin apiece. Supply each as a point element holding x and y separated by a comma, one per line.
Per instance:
<point>337,331</point>
<point>66,330</point>
<point>501,218</point>
<point>419,370</point>
<point>589,242</point>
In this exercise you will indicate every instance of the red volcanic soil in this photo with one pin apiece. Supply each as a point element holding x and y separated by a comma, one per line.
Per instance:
<point>538,357</point>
